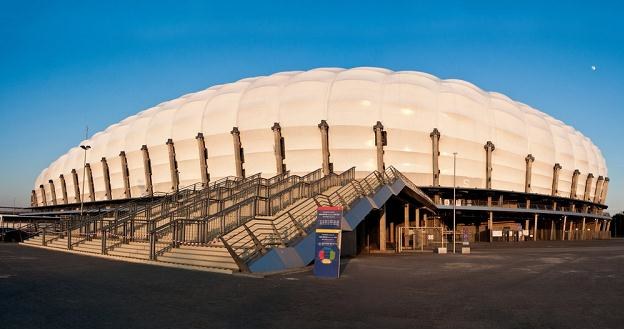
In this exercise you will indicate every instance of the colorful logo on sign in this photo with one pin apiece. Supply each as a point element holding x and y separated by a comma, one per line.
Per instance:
<point>327,255</point>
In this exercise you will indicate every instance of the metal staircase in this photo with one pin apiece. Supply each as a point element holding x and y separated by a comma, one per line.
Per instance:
<point>183,227</point>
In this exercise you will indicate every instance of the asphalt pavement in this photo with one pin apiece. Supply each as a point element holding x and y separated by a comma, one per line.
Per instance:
<point>533,285</point>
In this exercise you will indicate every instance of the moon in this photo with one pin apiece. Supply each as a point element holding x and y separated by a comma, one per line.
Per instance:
<point>593,67</point>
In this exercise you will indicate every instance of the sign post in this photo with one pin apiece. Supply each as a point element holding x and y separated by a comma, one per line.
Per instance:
<point>328,237</point>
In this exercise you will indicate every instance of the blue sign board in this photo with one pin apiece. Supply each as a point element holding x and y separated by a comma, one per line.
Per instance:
<point>327,250</point>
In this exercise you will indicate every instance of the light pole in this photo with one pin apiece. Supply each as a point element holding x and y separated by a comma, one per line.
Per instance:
<point>84,168</point>
<point>454,202</point>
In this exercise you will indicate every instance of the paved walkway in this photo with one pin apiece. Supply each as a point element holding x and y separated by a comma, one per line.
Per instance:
<point>540,285</point>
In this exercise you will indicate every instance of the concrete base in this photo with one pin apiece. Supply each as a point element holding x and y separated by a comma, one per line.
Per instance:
<point>441,250</point>
<point>465,250</point>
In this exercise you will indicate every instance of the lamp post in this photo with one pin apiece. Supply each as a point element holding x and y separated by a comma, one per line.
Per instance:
<point>454,202</point>
<point>84,168</point>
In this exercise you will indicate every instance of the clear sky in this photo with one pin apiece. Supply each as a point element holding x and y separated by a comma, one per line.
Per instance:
<point>64,65</point>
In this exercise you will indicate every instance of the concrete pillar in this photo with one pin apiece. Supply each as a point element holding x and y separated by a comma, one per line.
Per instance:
<point>535,227</point>
<point>107,184</point>
<point>90,182</point>
<point>490,223</point>
<point>392,232</point>
<point>575,177</point>
<point>608,226</point>
<point>406,223</point>
<point>203,159</point>
<point>147,165</point>
<point>489,148</point>
<point>565,218</point>
<point>552,230</point>
<point>380,142</point>
<point>173,166</point>
<point>425,220</point>
<point>125,174</point>
<point>588,184</point>
<point>327,166</point>
<point>43,195</point>
<point>435,146</point>
<point>583,230</point>
<point>527,177</point>
<point>239,153</point>
<point>417,220</point>
<point>382,230</point>
<point>571,230</point>
<point>33,199</point>
<point>52,191</point>
<point>278,149</point>
<point>555,181</point>
<point>605,188</point>
<point>63,188</point>
<point>76,186</point>
<point>598,190</point>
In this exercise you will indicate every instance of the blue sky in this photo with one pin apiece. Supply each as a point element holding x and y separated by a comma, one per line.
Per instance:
<point>64,65</point>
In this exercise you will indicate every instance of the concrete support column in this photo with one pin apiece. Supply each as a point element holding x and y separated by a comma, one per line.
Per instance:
<point>555,181</point>
<point>575,177</point>
<point>588,184</point>
<point>526,227</point>
<point>90,182</point>
<point>380,142</point>
<point>571,230</point>
<point>203,159</point>
<point>107,183</point>
<point>382,230</point>
<point>598,190</point>
<point>608,226</point>
<point>43,195</point>
<point>278,149</point>
<point>535,227</point>
<point>147,165</point>
<point>173,166</point>
<point>406,223</point>
<point>527,177</point>
<point>417,220</point>
<point>239,153</point>
<point>565,218</point>
<point>605,189</point>
<point>125,174</point>
<point>391,232</point>
<point>33,199</point>
<point>76,186</point>
<point>435,151</point>
<point>327,166</point>
<point>490,223</point>
<point>63,188</point>
<point>52,191</point>
<point>552,230</point>
<point>583,230</point>
<point>489,148</point>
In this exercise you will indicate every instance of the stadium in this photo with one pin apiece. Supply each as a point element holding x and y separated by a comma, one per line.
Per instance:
<point>228,178</point>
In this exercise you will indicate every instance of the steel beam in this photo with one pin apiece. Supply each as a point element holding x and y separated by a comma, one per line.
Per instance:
<point>278,149</point>
<point>107,183</point>
<point>125,174</point>
<point>63,188</point>
<point>173,166</point>
<point>239,155</point>
<point>327,165</point>
<point>147,166</point>
<point>203,159</point>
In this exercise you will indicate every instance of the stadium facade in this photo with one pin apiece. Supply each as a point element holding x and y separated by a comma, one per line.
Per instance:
<point>519,173</point>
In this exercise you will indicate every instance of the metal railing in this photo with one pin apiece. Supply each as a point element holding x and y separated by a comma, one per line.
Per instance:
<point>256,238</point>
<point>274,197</point>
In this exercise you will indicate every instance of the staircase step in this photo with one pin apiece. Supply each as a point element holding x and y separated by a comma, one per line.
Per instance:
<point>194,262</point>
<point>225,258</point>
